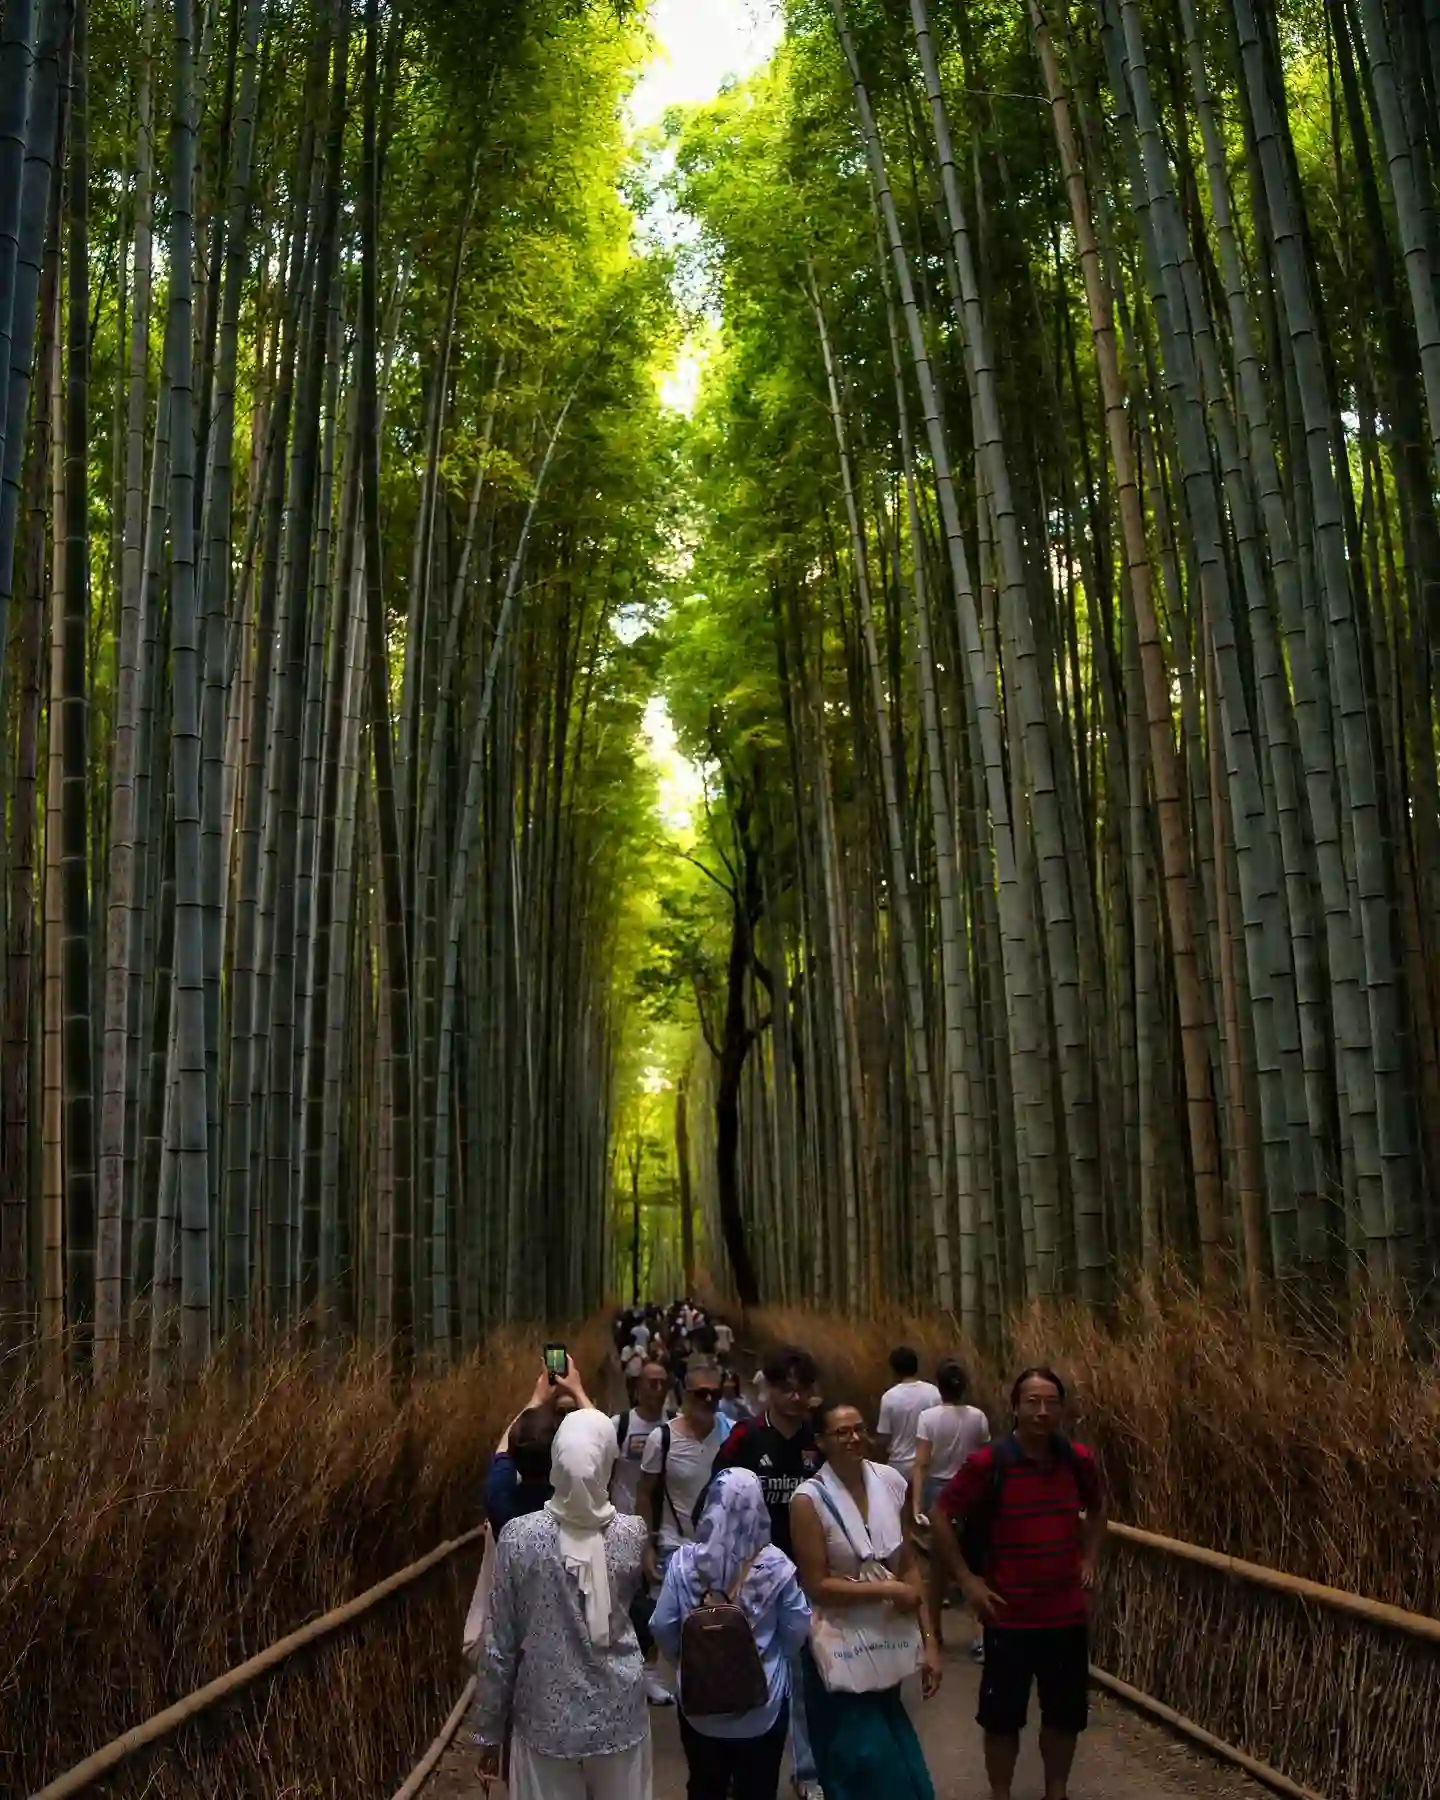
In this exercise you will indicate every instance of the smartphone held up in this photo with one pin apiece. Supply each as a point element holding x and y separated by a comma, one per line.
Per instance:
<point>557,1361</point>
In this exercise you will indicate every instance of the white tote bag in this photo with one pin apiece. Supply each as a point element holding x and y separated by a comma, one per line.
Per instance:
<point>864,1649</point>
<point>479,1613</point>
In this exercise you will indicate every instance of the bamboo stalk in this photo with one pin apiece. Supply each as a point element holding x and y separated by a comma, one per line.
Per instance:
<point>167,1723</point>
<point>1374,1612</point>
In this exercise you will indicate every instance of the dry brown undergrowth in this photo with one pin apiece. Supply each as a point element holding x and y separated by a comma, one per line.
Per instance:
<point>142,1555</point>
<point>1318,1454</point>
<point>139,1559</point>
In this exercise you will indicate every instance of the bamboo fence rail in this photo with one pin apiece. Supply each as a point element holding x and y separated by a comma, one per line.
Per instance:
<point>423,1770</point>
<point>1157,1709</point>
<point>165,1724</point>
<point>1374,1612</point>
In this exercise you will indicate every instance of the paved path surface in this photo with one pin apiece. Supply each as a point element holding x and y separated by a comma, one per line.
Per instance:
<point>1122,1757</point>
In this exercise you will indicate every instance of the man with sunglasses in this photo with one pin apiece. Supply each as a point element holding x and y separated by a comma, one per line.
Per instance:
<point>779,1446</point>
<point>675,1469</point>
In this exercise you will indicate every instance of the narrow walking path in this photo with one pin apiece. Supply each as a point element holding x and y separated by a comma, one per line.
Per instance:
<point>1122,1757</point>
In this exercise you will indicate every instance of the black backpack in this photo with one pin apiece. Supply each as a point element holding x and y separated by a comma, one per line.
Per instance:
<point>980,1520</point>
<point>720,1666</point>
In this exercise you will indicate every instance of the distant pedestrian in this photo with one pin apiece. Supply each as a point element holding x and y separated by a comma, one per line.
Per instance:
<point>732,1558</point>
<point>856,1562</point>
<point>779,1446</point>
<point>900,1410</point>
<point>560,1673</point>
<point>724,1342</point>
<point>733,1404</point>
<point>945,1437</point>
<point>1030,1511</point>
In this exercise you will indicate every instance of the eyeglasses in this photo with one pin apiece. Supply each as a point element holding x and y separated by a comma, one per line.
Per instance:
<point>845,1431</point>
<point>710,1395</point>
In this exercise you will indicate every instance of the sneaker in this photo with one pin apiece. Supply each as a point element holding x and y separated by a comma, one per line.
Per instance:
<point>656,1692</point>
<point>977,1651</point>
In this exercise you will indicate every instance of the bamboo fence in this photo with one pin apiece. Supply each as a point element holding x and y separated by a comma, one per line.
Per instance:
<point>1397,1619</point>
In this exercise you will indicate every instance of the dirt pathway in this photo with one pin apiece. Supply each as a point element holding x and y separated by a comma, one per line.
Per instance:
<point>1122,1757</point>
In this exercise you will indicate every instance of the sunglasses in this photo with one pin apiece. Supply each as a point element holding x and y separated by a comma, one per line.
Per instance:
<point>709,1395</point>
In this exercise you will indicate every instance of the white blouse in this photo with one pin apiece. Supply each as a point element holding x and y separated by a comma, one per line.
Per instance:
<point>841,1556</point>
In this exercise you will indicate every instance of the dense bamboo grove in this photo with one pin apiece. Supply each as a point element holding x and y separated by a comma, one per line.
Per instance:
<point>1046,587</point>
<point>332,456</point>
<point>1063,652</point>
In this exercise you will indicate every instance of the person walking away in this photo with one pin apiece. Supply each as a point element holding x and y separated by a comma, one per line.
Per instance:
<point>945,1436</point>
<point>676,1465</point>
<point>848,1527</point>
<point>632,1433</point>
<point>779,1446</point>
<point>560,1672</point>
<point>900,1410</point>
<point>1031,1511</point>
<point>735,1753</point>
<point>724,1343</point>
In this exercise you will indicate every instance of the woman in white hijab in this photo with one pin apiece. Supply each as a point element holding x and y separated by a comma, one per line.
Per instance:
<point>560,1675</point>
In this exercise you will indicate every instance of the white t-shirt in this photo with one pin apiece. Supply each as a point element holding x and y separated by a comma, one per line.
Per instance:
<point>687,1469</point>
<point>900,1410</point>
<point>640,1336</point>
<point>953,1433</point>
<point>724,1339</point>
<point>625,1482</point>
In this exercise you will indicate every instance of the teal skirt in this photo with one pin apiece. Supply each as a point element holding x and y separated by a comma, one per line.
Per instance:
<point>865,1746</point>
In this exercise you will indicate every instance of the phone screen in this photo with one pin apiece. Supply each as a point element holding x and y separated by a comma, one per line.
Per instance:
<point>556,1359</point>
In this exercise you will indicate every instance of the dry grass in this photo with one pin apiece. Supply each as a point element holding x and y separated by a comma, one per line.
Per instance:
<point>1314,1453</point>
<point>142,1556</point>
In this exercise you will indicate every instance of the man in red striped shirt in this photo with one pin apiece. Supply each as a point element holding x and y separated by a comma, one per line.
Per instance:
<point>1030,1511</point>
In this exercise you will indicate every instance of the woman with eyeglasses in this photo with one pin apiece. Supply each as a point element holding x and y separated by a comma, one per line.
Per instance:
<point>852,1548</point>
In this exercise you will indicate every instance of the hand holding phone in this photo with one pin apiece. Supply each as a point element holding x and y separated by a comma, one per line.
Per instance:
<point>557,1362</point>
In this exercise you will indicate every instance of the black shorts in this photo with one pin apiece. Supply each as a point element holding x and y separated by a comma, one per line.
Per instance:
<point>1056,1659</point>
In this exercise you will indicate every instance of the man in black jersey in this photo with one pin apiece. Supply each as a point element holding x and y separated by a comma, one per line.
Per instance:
<point>780,1448</point>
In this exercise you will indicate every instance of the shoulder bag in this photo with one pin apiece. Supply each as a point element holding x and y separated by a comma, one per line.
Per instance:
<point>863,1649</point>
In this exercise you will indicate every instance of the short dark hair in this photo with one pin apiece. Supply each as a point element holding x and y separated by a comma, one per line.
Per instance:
<point>1045,1374</point>
<point>531,1442</point>
<point>904,1361</point>
<point>790,1365</point>
<point>952,1380</point>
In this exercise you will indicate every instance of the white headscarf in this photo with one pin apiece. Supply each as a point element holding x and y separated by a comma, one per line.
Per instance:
<point>581,1461</point>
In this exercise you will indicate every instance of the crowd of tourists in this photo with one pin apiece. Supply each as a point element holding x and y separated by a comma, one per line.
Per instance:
<point>769,1554</point>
